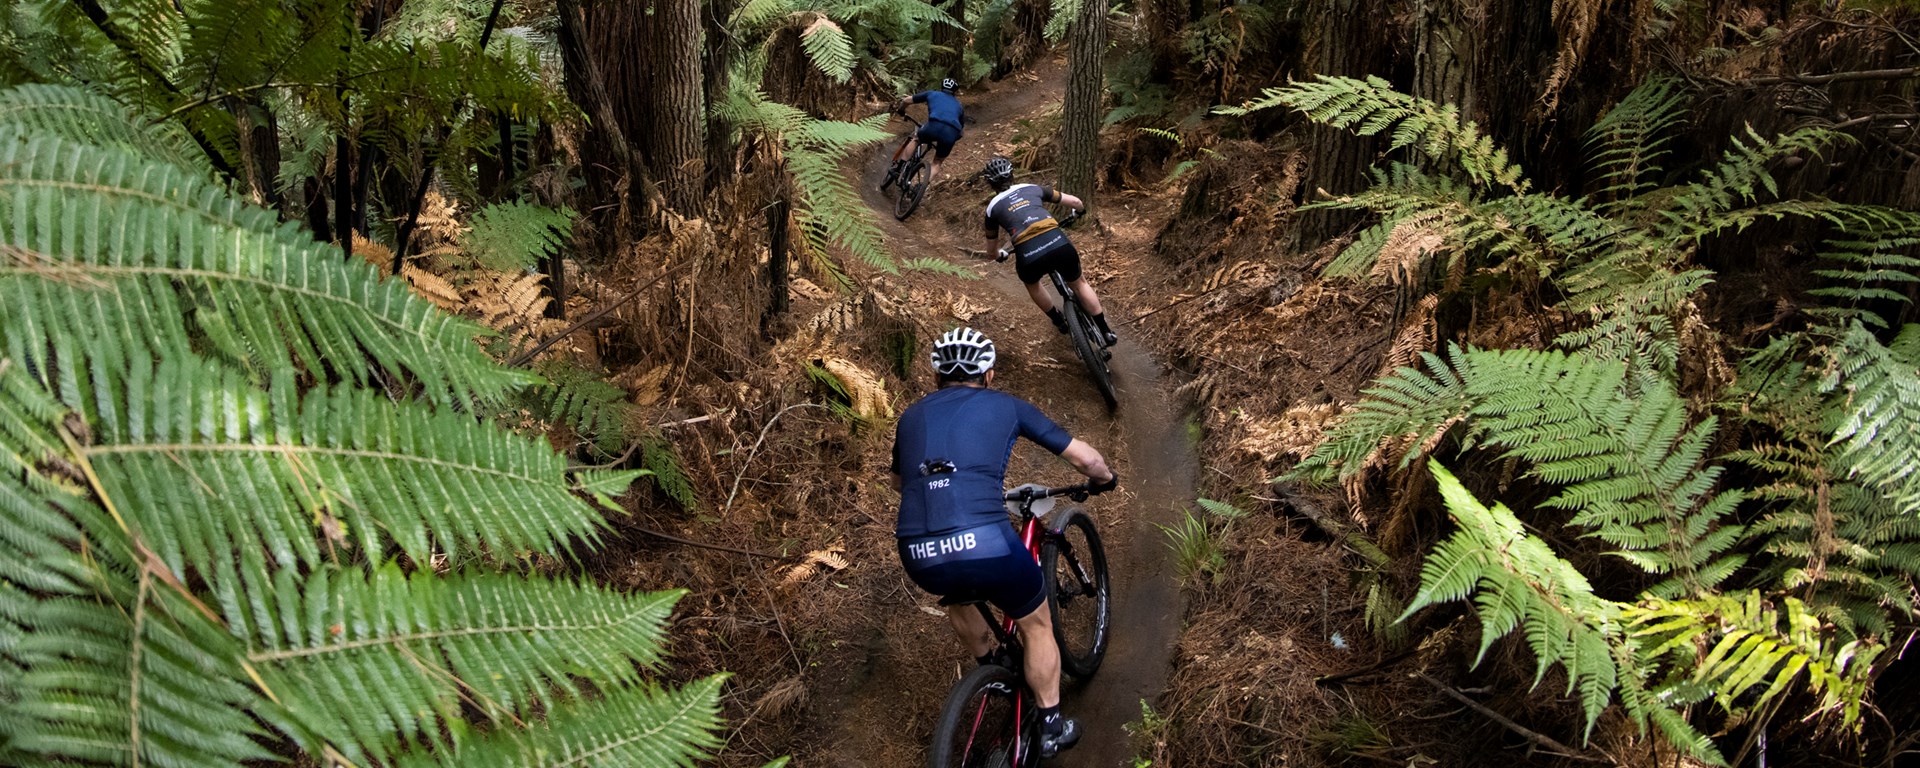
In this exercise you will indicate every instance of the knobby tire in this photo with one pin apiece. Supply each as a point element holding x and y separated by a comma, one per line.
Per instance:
<point>978,726</point>
<point>912,187</point>
<point>1083,331</point>
<point>1074,565</point>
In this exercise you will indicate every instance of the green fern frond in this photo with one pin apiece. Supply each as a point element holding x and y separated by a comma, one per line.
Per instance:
<point>86,117</point>
<point>1741,178</point>
<point>1370,107</point>
<point>755,15</point>
<point>517,235</point>
<point>626,729</point>
<point>1741,644</point>
<point>666,467</point>
<point>585,403</point>
<point>939,266</point>
<point>1878,432</point>
<point>219,464</point>
<point>829,48</point>
<point>120,258</point>
<point>1629,142</point>
<point>436,644</point>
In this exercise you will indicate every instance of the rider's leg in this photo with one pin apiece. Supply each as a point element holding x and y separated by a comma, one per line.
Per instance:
<point>972,628</point>
<point>1084,290</point>
<point>1042,656</point>
<point>1040,297</point>
<point>933,171</point>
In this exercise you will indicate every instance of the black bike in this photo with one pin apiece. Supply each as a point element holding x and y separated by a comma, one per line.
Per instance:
<point>991,719</point>
<point>909,176</point>
<point>1088,341</point>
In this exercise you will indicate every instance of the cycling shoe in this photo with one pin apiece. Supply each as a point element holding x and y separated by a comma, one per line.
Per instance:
<point>1069,735</point>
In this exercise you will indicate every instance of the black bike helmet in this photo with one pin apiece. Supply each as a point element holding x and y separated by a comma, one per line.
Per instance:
<point>950,85</point>
<point>999,172</point>
<point>963,350</point>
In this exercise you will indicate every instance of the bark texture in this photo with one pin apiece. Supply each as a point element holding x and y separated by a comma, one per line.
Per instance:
<point>678,136</point>
<point>1347,41</point>
<point>612,167</point>
<point>951,62</point>
<point>1086,105</point>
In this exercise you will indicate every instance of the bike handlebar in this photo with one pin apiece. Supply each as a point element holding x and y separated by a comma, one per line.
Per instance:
<point>1076,492</point>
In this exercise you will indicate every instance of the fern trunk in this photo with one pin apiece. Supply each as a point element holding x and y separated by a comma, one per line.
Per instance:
<point>1080,135</point>
<point>612,168</point>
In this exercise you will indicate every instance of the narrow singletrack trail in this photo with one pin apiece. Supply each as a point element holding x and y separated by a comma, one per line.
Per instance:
<point>885,717</point>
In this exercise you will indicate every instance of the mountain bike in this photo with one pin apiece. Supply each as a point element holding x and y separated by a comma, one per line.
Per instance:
<point>910,180</point>
<point>1088,341</point>
<point>991,718</point>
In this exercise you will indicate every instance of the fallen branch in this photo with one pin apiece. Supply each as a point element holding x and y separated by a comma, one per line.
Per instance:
<point>1531,735</point>
<point>1338,678</point>
<point>1836,77</point>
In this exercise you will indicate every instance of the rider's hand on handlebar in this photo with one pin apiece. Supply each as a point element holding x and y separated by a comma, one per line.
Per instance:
<point>1102,486</point>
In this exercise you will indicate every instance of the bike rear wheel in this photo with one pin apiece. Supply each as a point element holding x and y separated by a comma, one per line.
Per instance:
<point>913,187</point>
<point>1074,565</point>
<point>981,725</point>
<point>1091,344</point>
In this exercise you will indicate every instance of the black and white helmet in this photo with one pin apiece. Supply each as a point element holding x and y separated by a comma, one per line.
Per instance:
<point>963,351</point>
<point>999,172</point>
<point>950,85</point>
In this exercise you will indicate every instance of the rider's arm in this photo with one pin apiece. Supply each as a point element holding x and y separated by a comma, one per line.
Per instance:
<point>1073,202</point>
<point>993,238</point>
<point>1083,457</point>
<point>893,479</point>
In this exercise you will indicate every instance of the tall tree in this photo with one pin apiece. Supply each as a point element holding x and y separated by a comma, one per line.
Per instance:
<point>950,40</point>
<point>1346,40</point>
<point>1087,47</point>
<point>678,134</point>
<point>613,168</point>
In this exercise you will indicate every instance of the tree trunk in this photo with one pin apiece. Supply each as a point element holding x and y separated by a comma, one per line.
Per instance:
<point>951,62</point>
<point>678,137</point>
<point>1344,38</point>
<point>1080,135</point>
<point>777,265</point>
<point>612,168</point>
<point>718,54</point>
<point>260,150</point>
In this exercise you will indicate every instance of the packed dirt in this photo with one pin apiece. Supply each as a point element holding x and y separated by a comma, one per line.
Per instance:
<point>882,712</point>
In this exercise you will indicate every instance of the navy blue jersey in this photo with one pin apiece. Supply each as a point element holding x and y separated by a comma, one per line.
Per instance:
<point>950,450</point>
<point>941,106</point>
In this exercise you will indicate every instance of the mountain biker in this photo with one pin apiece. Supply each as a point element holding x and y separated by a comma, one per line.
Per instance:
<point>942,128</point>
<point>1038,241</point>
<point>950,455</point>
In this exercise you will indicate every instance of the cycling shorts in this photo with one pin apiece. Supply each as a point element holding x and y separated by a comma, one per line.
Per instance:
<point>942,135</point>
<point>982,563</point>
<point>1049,251</point>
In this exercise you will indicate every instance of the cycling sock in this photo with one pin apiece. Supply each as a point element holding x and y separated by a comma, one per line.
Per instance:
<point>1059,320</point>
<point>1101,320</point>
<point>1050,720</point>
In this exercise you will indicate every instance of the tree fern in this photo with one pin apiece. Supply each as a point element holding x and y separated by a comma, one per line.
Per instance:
<point>684,718</point>
<point>247,511</point>
<point>828,46</point>
<point>829,211</point>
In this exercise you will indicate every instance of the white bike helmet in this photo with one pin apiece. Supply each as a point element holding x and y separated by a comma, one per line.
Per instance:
<point>999,172</point>
<point>950,85</point>
<point>963,350</point>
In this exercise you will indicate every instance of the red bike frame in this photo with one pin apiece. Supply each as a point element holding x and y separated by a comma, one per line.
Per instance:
<point>1030,536</point>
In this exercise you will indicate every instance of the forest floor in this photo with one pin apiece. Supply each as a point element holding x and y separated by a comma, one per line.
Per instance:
<point>880,709</point>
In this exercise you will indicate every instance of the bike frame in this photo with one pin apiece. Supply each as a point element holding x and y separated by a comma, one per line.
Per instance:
<point>1005,631</point>
<point>919,149</point>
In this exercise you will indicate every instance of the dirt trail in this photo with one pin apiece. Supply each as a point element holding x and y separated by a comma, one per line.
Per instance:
<point>886,714</point>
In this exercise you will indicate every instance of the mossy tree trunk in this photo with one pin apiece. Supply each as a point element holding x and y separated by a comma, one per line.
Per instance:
<point>678,132</point>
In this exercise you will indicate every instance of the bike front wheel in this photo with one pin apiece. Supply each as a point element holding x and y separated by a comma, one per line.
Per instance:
<point>913,187</point>
<point>1074,565</point>
<point>981,725</point>
<point>1091,345</point>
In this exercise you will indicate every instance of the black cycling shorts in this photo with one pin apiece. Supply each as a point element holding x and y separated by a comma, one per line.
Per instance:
<point>942,135</point>
<point>1049,251</point>
<point>984,563</point>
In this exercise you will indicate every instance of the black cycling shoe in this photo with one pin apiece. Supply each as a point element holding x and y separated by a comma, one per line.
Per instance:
<point>892,173</point>
<point>1053,744</point>
<point>1059,320</point>
<point>1112,338</point>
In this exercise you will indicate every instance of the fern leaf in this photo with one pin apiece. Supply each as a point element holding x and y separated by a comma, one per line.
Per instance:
<point>829,48</point>
<point>626,729</point>
<point>86,117</point>
<point>120,258</point>
<point>517,235</point>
